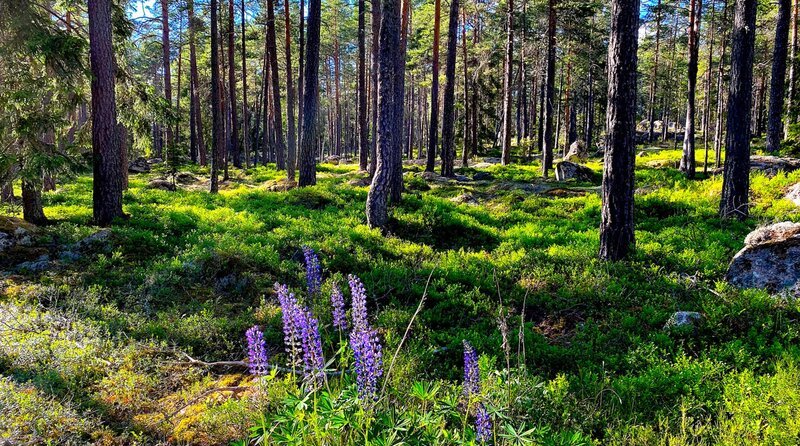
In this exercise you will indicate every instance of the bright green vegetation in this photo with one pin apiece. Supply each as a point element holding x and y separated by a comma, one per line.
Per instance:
<point>90,351</point>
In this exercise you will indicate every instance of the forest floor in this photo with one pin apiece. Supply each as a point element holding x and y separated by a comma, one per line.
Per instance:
<point>96,339</point>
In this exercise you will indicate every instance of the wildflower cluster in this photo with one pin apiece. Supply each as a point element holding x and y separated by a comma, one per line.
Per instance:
<point>313,271</point>
<point>472,389</point>
<point>365,344</point>
<point>290,312</point>
<point>257,352</point>
<point>337,304</point>
<point>301,335</point>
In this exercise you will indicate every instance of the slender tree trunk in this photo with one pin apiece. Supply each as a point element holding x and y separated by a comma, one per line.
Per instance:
<point>433,134</point>
<point>233,138</point>
<point>218,127</point>
<point>196,118</point>
<point>337,128</point>
<point>720,97</point>
<point>774,124</point>
<point>617,226</point>
<point>688,164</point>
<point>668,96</point>
<point>467,111</point>
<point>707,99</point>
<point>508,66</point>
<point>363,130</point>
<point>301,74</point>
<point>245,114</point>
<point>166,65</point>
<point>448,121</point>
<point>290,99</point>
<point>791,113</point>
<point>308,140</point>
<point>376,23</point>
<point>388,120</point>
<point>180,78</point>
<point>107,157</point>
<point>654,75</point>
<point>280,146</point>
<point>549,96</point>
<point>736,181</point>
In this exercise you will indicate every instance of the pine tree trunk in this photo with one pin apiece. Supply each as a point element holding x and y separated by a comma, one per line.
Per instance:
<point>301,75</point>
<point>508,65</point>
<point>32,210</point>
<point>688,164</point>
<point>245,115</point>
<point>389,53</point>
<point>218,127</point>
<point>198,149</point>
<point>617,226</point>
<point>467,110</point>
<point>233,112</point>
<point>166,64</point>
<point>549,91</point>
<point>280,146</point>
<point>363,130</point>
<point>308,140</point>
<point>774,124</point>
<point>791,106</point>
<point>291,138</point>
<point>107,157</point>
<point>376,23</point>
<point>654,75</point>
<point>448,121</point>
<point>736,180</point>
<point>433,133</point>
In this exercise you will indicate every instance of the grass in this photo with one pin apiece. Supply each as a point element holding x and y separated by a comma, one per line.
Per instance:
<point>92,349</point>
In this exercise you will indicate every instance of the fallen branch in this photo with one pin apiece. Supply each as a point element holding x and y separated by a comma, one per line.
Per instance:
<point>243,364</point>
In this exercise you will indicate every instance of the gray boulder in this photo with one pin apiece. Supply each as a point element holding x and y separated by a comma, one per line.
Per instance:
<point>100,241</point>
<point>161,184</point>
<point>566,170</point>
<point>683,319</point>
<point>483,176</point>
<point>770,259</point>
<point>577,151</point>
<point>771,165</point>
<point>139,165</point>
<point>794,194</point>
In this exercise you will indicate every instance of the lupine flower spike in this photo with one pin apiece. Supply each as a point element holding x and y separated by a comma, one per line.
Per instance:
<point>366,346</point>
<point>483,425</point>
<point>313,271</point>
<point>313,361</point>
<point>337,303</point>
<point>257,352</point>
<point>472,374</point>
<point>291,329</point>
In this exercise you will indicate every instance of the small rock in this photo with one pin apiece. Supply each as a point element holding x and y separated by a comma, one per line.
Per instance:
<point>433,176</point>
<point>462,178</point>
<point>483,176</point>
<point>482,165</point>
<point>465,199</point>
<point>492,160</point>
<point>161,184</point>
<point>281,185</point>
<point>566,170</point>
<point>155,161</point>
<point>185,178</point>
<point>99,241</point>
<point>333,159</point>
<point>360,182</point>
<point>683,319</point>
<point>35,266</point>
<point>139,165</point>
<point>577,151</point>
<point>769,260</point>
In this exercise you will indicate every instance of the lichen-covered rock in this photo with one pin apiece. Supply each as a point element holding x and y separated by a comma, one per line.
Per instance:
<point>100,241</point>
<point>794,194</point>
<point>577,151</point>
<point>771,165</point>
<point>683,319</point>
<point>566,170</point>
<point>162,184</point>
<point>770,259</point>
<point>483,176</point>
<point>139,165</point>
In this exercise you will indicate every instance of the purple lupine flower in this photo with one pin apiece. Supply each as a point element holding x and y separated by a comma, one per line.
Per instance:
<point>313,361</point>
<point>483,425</point>
<point>256,351</point>
<point>472,374</point>
<point>337,303</point>
<point>313,271</point>
<point>359,303</point>
<point>368,356</point>
<point>364,341</point>
<point>291,315</point>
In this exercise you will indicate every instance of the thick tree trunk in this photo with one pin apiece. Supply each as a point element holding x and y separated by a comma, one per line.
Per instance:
<point>467,111</point>
<point>617,226</point>
<point>688,165</point>
<point>308,140</point>
<point>389,52</point>
<point>376,23</point>
<point>448,121</point>
<point>301,74</point>
<point>291,138</point>
<point>218,127</point>
<point>363,130</point>
<point>166,65</point>
<point>433,133</point>
<point>549,91</point>
<point>107,157</point>
<point>508,66</point>
<point>774,124</point>
<point>32,210</point>
<point>280,147</point>
<point>736,180</point>
<point>720,97</point>
<point>197,142</point>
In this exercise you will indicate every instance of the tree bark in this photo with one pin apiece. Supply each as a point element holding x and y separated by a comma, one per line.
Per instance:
<point>467,111</point>
<point>233,137</point>
<point>547,151</point>
<point>791,113</point>
<point>774,124</point>
<point>617,226</point>
<point>654,75</point>
<point>688,164</point>
<point>107,158</point>
<point>388,120</point>
<point>508,65</point>
<point>291,138</point>
<point>218,127</point>
<point>32,209</point>
<point>166,65</point>
<point>245,117</point>
<point>448,121</point>
<point>736,180</point>
<point>376,24</point>
<point>280,146</point>
<point>433,133</point>
<point>363,130</point>
<point>197,142</point>
<point>308,140</point>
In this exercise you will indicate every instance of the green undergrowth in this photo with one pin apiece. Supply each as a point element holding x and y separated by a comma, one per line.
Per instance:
<point>93,350</point>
